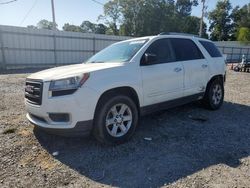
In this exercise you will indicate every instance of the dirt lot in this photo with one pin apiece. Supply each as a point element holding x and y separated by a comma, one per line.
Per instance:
<point>211,152</point>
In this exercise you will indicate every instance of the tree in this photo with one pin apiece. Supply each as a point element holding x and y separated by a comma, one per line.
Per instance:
<point>191,24</point>
<point>130,10</point>
<point>220,21</point>
<point>241,16</point>
<point>73,28</point>
<point>112,15</point>
<point>89,27</point>
<point>100,29</point>
<point>241,19</point>
<point>31,27</point>
<point>244,35</point>
<point>184,7</point>
<point>147,17</point>
<point>45,24</point>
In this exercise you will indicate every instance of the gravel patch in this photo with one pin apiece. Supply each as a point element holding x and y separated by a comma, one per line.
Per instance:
<point>186,146</point>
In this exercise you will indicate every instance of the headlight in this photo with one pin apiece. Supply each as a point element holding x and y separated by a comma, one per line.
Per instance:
<point>71,83</point>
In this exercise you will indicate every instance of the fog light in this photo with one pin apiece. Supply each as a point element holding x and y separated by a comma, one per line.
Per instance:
<point>59,117</point>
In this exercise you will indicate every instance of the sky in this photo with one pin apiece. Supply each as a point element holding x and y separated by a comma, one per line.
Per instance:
<point>29,12</point>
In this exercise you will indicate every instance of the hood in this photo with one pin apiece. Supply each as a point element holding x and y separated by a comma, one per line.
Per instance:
<point>71,70</point>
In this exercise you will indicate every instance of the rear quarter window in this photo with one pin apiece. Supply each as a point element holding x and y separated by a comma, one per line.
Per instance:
<point>211,48</point>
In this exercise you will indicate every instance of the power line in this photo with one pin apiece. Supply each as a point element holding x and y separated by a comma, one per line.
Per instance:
<point>27,14</point>
<point>8,2</point>
<point>98,2</point>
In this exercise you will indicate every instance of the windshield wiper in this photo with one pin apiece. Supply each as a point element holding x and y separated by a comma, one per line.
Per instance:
<point>96,62</point>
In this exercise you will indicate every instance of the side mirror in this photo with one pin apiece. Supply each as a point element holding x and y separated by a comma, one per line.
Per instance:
<point>149,58</point>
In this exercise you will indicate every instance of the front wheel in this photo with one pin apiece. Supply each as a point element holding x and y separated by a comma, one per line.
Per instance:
<point>214,95</point>
<point>115,120</point>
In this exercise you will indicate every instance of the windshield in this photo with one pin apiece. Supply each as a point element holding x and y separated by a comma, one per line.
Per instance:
<point>119,52</point>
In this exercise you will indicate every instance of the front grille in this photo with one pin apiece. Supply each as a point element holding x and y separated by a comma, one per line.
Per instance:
<point>33,91</point>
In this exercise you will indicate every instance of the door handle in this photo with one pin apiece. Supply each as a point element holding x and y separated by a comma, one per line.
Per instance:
<point>204,66</point>
<point>177,69</point>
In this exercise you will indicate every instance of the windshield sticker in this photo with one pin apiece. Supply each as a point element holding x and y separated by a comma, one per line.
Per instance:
<point>138,42</point>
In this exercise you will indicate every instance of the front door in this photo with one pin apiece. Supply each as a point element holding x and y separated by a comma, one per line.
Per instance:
<point>163,79</point>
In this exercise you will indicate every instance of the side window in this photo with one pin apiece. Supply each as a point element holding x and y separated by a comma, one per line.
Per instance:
<point>186,49</point>
<point>211,48</point>
<point>163,51</point>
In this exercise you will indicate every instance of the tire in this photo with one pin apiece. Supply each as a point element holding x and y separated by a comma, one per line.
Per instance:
<point>110,126</point>
<point>236,69</point>
<point>214,95</point>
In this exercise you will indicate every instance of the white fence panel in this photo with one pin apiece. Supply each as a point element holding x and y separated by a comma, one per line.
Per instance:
<point>33,48</point>
<point>234,50</point>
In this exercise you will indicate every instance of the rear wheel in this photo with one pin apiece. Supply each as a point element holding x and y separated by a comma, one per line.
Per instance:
<point>214,95</point>
<point>115,120</point>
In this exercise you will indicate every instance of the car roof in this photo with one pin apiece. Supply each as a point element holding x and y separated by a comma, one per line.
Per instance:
<point>182,36</point>
<point>169,35</point>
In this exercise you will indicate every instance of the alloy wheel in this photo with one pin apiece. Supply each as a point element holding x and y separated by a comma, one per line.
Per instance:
<point>119,120</point>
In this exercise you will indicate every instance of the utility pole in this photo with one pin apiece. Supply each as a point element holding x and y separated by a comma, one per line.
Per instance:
<point>202,16</point>
<point>53,14</point>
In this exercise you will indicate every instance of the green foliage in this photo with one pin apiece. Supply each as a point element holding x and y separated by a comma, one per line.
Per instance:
<point>184,7</point>
<point>244,35</point>
<point>220,20</point>
<point>89,27</point>
<point>31,27</point>
<point>241,19</point>
<point>45,24</point>
<point>111,16</point>
<point>142,18</point>
<point>191,24</point>
<point>72,28</point>
<point>241,16</point>
<point>149,17</point>
<point>101,29</point>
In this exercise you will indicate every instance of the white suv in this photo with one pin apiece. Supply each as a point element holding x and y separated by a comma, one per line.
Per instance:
<point>107,94</point>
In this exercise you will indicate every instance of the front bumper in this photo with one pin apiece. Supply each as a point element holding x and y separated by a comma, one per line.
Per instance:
<point>80,108</point>
<point>82,128</point>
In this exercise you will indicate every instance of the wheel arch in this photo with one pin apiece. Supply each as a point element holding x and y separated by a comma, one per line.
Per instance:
<point>219,77</point>
<point>124,90</point>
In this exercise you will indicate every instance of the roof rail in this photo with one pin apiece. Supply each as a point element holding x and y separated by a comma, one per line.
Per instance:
<point>175,33</point>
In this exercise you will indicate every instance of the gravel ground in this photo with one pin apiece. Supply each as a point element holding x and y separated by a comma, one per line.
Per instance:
<point>211,151</point>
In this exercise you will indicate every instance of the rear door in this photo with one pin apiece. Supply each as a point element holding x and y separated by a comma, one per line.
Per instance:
<point>195,65</point>
<point>163,79</point>
<point>217,61</point>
